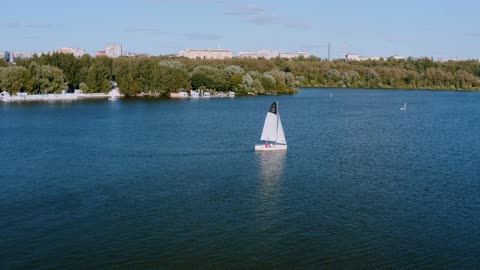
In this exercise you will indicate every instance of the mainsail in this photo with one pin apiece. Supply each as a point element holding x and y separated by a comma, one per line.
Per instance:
<point>272,129</point>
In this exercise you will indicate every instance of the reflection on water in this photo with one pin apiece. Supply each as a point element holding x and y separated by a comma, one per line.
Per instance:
<point>271,167</point>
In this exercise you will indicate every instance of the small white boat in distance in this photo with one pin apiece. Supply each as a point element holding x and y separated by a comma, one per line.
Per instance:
<point>404,108</point>
<point>272,136</point>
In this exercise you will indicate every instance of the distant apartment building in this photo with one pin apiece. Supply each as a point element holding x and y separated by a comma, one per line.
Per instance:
<point>77,52</point>
<point>113,50</point>
<point>267,54</point>
<point>136,55</point>
<point>9,57</point>
<point>206,53</point>
<point>21,55</point>
<point>398,57</point>
<point>293,55</point>
<point>355,57</point>
<point>443,59</point>
<point>12,57</point>
<point>101,53</point>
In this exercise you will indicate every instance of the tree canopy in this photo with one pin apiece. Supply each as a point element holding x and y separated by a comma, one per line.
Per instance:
<point>51,73</point>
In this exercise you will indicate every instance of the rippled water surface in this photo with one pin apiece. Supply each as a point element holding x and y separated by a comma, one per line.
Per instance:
<point>165,184</point>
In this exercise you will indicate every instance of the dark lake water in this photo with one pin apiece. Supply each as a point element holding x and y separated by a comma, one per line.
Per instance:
<point>165,184</point>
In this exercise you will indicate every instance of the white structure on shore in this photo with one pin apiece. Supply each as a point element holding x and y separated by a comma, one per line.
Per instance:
<point>202,94</point>
<point>77,52</point>
<point>114,93</point>
<point>206,53</point>
<point>78,94</point>
<point>6,97</point>
<point>179,95</point>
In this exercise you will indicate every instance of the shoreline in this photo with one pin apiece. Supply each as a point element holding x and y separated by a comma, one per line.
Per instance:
<point>392,88</point>
<point>103,96</point>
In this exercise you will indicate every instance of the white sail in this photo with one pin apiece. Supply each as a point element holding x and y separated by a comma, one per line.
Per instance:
<point>269,132</point>
<point>280,135</point>
<point>272,129</point>
<point>272,133</point>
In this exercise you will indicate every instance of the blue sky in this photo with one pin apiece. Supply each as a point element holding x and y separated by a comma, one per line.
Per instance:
<point>447,29</point>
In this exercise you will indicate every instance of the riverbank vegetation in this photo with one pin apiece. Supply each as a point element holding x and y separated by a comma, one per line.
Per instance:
<point>389,73</point>
<point>162,75</point>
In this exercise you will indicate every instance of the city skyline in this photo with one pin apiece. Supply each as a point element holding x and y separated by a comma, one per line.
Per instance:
<point>370,28</point>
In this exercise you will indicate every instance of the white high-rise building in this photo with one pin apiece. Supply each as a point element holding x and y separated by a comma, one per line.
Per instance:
<point>11,57</point>
<point>113,50</point>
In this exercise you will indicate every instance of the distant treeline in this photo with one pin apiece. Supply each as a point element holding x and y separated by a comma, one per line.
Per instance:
<point>387,73</point>
<point>163,75</point>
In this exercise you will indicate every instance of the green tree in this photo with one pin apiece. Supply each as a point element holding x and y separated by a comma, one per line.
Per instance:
<point>174,80</point>
<point>46,79</point>
<point>209,77</point>
<point>97,79</point>
<point>15,79</point>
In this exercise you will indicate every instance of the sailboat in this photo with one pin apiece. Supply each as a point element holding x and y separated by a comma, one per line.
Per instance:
<point>273,137</point>
<point>404,108</point>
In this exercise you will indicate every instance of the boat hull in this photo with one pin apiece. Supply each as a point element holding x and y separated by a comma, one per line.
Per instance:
<point>270,147</point>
